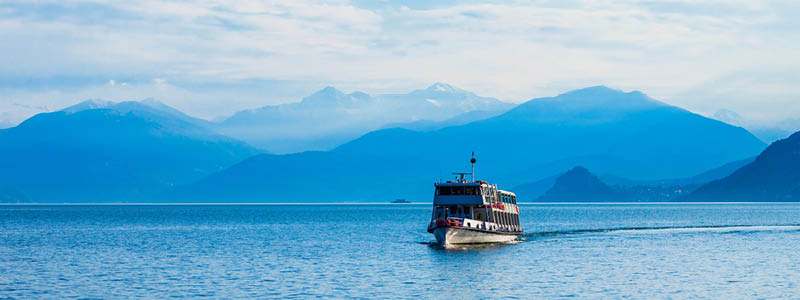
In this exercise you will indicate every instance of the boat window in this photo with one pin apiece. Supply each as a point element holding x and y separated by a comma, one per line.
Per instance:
<point>443,190</point>
<point>458,190</point>
<point>470,190</point>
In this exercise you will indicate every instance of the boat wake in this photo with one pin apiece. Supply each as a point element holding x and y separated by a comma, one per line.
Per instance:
<point>721,229</point>
<point>666,229</point>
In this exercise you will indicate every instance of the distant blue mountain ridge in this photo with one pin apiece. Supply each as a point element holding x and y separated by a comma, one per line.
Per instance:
<point>428,125</point>
<point>609,131</point>
<point>147,108</point>
<point>145,151</point>
<point>329,117</point>
<point>107,152</point>
<point>624,189</point>
<point>773,176</point>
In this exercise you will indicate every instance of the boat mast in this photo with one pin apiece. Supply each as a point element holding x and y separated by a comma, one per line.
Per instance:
<point>473,166</point>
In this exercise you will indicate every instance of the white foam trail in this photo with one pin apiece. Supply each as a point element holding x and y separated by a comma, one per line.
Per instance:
<point>712,229</point>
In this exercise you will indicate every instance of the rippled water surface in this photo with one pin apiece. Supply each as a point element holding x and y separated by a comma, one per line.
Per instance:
<point>721,251</point>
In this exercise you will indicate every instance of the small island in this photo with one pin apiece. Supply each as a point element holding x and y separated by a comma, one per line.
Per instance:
<point>400,201</point>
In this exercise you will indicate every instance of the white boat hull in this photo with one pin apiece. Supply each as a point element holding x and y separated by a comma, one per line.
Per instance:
<point>455,235</point>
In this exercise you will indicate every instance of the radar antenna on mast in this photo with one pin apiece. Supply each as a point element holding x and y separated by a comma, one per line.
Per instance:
<point>462,175</point>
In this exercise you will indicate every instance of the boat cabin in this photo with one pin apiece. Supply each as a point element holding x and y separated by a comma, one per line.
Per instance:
<point>476,204</point>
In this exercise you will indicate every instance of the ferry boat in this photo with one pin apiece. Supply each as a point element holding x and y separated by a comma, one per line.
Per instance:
<point>473,212</point>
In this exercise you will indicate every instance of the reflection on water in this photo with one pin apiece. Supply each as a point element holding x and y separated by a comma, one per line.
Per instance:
<point>470,247</point>
<point>382,251</point>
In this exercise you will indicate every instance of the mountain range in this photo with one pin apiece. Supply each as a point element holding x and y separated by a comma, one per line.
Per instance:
<point>580,185</point>
<point>609,131</point>
<point>330,117</point>
<point>637,190</point>
<point>773,176</point>
<point>145,151</point>
<point>109,152</point>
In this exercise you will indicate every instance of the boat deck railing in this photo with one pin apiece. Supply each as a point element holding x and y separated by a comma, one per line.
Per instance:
<point>470,223</point>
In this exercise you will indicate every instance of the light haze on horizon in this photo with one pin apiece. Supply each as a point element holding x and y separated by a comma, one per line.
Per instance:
<point>212,58</point>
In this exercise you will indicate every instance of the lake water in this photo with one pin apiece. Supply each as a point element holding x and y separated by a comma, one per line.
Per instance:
<point>721,251</point>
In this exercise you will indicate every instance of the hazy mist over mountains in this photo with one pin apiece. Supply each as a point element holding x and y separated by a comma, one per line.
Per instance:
<point>383,147</point>
<point>628,134</point>
<point>330,117</point>
<point>766,131</point>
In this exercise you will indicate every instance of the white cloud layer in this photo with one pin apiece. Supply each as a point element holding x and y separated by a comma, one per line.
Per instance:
<point>211,58</point>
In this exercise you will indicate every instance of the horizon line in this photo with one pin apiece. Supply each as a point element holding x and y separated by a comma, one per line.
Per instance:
<point>357,203</point>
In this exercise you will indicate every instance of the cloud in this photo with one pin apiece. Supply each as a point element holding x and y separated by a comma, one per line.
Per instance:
<point>512,50</point>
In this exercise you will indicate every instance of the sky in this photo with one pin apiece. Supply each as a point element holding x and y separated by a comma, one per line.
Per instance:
<point>211,58</point>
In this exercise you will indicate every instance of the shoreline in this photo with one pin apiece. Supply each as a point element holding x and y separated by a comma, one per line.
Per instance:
<point>361,203</point>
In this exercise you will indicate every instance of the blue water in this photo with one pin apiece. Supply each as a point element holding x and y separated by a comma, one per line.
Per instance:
<point>637,251</point>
